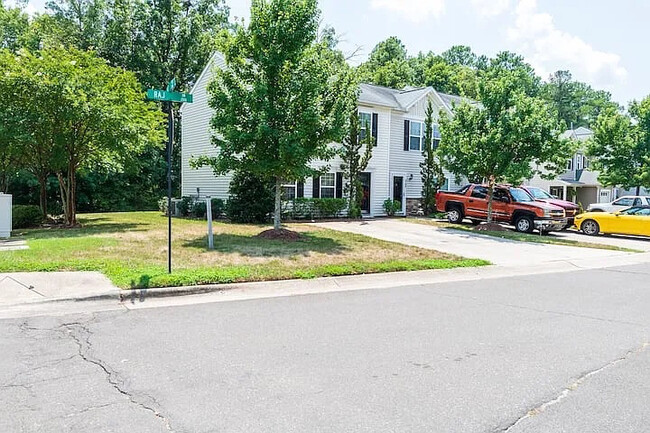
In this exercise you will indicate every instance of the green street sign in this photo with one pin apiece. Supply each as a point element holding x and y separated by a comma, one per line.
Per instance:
<point>163,95</point>
<point>171,85</point>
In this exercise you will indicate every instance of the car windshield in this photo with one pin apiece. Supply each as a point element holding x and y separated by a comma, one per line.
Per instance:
<point>519,195</point>
<point>639,211</point>
<point>539,193</point>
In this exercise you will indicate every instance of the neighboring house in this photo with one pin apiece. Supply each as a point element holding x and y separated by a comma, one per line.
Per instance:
<point>578,183</point>
<point>396,119</point>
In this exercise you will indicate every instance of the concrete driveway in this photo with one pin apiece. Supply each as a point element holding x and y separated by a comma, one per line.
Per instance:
<point>496,250</point>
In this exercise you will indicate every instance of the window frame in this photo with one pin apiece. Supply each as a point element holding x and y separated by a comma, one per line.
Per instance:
<point>420,137</point>
<point>332,187</point>
<point>362,129</point>
<point>293,185</point>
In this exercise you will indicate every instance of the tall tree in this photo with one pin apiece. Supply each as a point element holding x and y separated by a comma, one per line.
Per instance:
<point>433,177</point>
<point>576,103</point>
<point>88,113</point>
<point>282,99</point>
<point>621,147</point>
<point>355,152</point>
<point>505,137</point>
<point>387,65</point>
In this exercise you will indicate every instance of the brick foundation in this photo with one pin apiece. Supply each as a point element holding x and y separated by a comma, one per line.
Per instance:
<point>413,206</point>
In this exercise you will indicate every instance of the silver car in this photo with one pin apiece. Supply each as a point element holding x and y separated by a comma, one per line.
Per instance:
<point>621,203</point>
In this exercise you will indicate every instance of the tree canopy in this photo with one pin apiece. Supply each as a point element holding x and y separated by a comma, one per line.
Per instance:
<point>283,97</point>
<point>621,146</point>
<point>83,111</point>
<point>506,136</point>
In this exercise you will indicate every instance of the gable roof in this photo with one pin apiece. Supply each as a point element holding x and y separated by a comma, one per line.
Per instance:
<point>581,133</point>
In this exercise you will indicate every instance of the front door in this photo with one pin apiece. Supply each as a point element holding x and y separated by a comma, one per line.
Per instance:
<point>398,192</point>
<point>365,183</point>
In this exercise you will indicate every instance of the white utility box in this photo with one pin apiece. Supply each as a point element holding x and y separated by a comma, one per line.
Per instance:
<point>5,215</point>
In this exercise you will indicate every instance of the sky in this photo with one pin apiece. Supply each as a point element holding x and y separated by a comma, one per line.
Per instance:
<point>601,42</point>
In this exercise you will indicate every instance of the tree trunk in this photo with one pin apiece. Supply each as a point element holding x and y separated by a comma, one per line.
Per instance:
<point>277,221</point>
<point>638,190</point>
<point>42,182</point>
<point>67,185</point>
<point>490,198</point>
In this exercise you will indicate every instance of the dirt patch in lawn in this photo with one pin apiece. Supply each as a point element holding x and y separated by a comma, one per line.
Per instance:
<point>491,227</point>
<point>280,235</point>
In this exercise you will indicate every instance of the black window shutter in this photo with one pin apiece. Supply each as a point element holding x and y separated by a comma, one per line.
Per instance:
<point>407,130</point>
<point>375,119</point>
<point>300,190</point>
<point>339,185</point>
<point>316,191</point>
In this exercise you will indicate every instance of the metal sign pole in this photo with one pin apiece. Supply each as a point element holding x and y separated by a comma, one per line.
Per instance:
<point>208,207</point>
<point>170,143</point>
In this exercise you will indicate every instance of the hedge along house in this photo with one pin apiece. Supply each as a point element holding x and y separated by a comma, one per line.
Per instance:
<point>396,120</point>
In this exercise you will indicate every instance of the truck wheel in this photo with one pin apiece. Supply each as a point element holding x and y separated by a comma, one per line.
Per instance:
<point>455,215</point>
<point>590,227</point>
<point>524,224</point>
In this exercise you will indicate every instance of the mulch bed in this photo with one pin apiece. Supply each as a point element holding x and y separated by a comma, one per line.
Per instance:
<point>491,227</point>
<point>282,234</point>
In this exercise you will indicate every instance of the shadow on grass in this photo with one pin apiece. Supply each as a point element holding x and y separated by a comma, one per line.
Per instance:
<point>89,228</point>
<point>253,246</point>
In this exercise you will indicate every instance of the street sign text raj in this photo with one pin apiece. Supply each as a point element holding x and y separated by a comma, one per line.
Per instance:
<point>163,95</point>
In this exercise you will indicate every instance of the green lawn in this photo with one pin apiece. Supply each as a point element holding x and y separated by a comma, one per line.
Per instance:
<point>523,237</point>
<point>130,248</point>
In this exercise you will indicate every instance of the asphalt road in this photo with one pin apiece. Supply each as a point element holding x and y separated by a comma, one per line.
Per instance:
<point>554,353</point>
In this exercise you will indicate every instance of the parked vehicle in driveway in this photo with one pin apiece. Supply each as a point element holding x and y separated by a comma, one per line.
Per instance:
<point>510,205</point>
<point>631,221</point>
<point>570,209</point>
<point>621,203</point>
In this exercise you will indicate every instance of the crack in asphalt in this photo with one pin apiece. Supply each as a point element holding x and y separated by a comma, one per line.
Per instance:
<point>81,334</point>
<point>573,386</point>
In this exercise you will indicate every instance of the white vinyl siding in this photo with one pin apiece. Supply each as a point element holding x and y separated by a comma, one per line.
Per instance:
<point>196,141</point>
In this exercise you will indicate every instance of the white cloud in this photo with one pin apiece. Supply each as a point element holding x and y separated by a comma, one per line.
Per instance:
<point>416,11</point>
<point>490,8</point>
<point>548,48</point>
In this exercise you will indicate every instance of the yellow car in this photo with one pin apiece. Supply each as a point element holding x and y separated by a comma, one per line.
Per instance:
<point>632,221</point>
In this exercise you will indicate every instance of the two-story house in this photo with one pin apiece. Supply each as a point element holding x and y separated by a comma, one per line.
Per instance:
<point>578,183</point>
<point>396,119</point>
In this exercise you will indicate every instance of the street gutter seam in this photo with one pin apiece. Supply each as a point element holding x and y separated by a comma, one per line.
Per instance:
<point>573,387</point>
<point>84,348</point>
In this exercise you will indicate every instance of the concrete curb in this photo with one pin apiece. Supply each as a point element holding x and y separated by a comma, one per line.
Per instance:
<point>264,289</point>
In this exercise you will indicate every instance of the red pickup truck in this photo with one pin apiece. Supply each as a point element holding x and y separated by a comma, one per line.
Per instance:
<point>510,205</point>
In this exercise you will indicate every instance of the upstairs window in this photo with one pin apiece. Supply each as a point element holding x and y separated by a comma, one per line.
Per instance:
<point>365,123</point>
<point>569,165</point>
<point>436,137</point>
<point>415,136</point>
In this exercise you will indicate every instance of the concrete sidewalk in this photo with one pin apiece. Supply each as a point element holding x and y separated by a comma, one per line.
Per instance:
<point>30,287</point>
<point>498,251</point>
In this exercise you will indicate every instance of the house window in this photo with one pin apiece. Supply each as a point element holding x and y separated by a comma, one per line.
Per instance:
<point>436,137</point>
<point>288,190</point>
<point>569,165</point>
<point>579,162</point>
<point>327,185</point>
<point>365,123</point>
<point>585,162</point>
<point>415,136</point>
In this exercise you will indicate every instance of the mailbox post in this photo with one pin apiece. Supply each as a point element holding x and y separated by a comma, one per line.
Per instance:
<point>5,215</point>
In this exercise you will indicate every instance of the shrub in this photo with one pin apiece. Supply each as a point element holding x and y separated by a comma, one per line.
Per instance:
<point>25,216</point>
<point>199,209</point>
<point>251,199</point>
<point>313,208</point>
<point>162,205</point>
<point>391,206</point>
<point>330,207</point>
<point>218,207</point>
<point>184,206</point>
